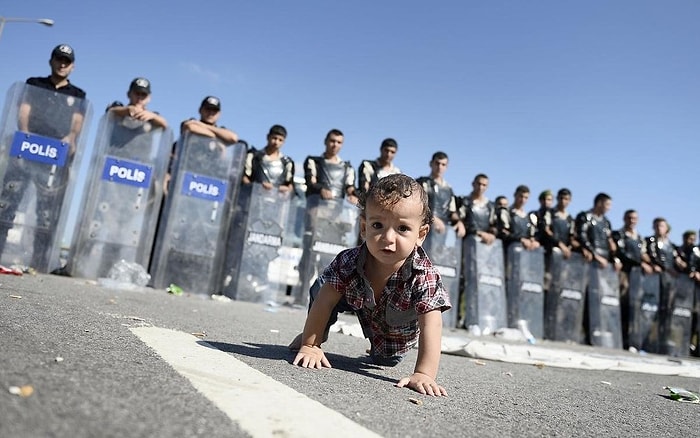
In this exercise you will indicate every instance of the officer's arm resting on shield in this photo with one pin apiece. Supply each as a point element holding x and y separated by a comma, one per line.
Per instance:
<point>75,127</point>
<point>149,116</point>
<point>23,117</point>
<point>226,136</point>
<point>429,347</point>
<point>310,354</point>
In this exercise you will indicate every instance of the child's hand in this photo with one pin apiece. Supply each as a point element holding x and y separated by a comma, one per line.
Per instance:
<point>311,357</point>
<point>422,383</point>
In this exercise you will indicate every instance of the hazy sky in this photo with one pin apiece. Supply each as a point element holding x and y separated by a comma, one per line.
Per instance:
<point>590,95</point>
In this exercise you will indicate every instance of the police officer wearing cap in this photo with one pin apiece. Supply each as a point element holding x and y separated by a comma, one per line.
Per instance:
<point>62,63</point>
<point>58,113</point>
<point>139,95</point>
<point>209,113</point>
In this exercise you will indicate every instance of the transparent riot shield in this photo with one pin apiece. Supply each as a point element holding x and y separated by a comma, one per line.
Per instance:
<point>42,139</point>
<point>643,311</point>
<point>446,255</point>
<point>331,227</point>
<point>564,301</point>
<point>525,288</point>
<point>122,198</point>
<point>695,337</point>
<point>604,324</point>
<point>257,276</point>
<point>191,240</point>
<point>681,317</point>
<point>484,284</point>
<point>667,291</point>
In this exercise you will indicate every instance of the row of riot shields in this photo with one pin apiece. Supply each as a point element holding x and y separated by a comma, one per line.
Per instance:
<point>661,307</point>
<point>42,138</point>
<point>583,303</point>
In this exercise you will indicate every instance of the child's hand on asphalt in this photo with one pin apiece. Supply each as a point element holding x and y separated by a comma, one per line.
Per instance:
<point>311,357</point>
<point>423,384</point>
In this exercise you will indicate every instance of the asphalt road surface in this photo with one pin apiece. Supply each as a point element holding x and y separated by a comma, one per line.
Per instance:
<point>82,360</point>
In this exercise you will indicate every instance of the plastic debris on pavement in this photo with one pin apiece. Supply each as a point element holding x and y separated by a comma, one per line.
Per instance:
<point>174,289</point>
<point>683,395</point>
<point>10,271</point>
<point>129,272</point>
<point>221,298</point>
<point>22,391</point>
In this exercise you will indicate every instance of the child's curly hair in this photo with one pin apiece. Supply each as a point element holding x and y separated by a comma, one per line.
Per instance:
<point>393,188</point>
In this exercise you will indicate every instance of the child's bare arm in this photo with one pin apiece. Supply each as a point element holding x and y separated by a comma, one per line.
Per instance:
<point>429,346</point>
<point>310,354</point>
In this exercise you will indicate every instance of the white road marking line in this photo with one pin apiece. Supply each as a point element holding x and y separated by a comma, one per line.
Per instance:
<point>260,405</point>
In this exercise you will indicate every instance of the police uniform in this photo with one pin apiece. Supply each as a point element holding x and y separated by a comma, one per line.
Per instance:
<point>443,204</point>
<point>51,115</point>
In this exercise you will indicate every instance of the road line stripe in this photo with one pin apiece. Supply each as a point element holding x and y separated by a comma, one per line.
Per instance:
<point>259,404</point>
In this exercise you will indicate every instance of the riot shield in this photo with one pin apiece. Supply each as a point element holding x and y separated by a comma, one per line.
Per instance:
<point>122,198</point>
<point>564,301</point>
<point>38,169</point>
<point>667,291</point>
<point>525,288</point>
<point>190,245</point>
<point>260,237</point>
<point>331,227</point>
<point>643,311</point>
<point>484,284</point>
<point>604,320</point>
<point>696,326</point>
<point>446,257</point>
<point>681,317</point>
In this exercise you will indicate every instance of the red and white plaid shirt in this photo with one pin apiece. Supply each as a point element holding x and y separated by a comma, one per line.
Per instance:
<point>391,325</point>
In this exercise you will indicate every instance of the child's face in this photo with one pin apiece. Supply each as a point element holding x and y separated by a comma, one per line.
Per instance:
<point>275,141</point>
<point>393,233</point>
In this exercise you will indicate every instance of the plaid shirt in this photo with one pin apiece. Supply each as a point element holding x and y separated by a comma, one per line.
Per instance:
<point>391,324</point>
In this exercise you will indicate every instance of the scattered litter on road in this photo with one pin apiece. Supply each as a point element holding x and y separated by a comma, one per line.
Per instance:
<point>174,289</point>
<point>508,373</point>
<point>202,334</point>
<point>478,362</point>
<point>605,383</point>
<point>22,391</point>
<point>10,271</point>
<point>136,318</point>
<point>416,401</point>
<point>683,395</point>
<point>18,297</point>
<point>58,359</point>
<point>539,365</point>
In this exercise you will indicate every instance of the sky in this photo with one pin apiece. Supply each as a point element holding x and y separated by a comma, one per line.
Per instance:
<point>595,95</point>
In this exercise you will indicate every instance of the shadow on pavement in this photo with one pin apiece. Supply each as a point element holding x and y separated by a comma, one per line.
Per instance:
<point>357,365</point>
